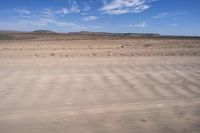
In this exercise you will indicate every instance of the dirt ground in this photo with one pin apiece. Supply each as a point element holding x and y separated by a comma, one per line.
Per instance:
<point>139,85</point>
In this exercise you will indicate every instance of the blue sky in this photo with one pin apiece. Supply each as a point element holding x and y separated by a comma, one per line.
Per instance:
<point>177,17</point>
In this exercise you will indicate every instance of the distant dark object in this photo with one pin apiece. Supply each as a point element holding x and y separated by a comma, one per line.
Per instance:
<point>43,31</point>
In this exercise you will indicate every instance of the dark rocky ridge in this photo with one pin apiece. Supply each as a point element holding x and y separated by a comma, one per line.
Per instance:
<point>43,31</point>
<point>112,34</point>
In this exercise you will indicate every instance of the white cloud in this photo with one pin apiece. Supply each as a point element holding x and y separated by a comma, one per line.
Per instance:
<point>62,11</point>
<point>23,11</point>
<point>175,24</point>
<point>138,25</point>
<point>75,7</point>
<point>161,15</point>
<point>65,11</point>
<point>141,25</point>
<point>46,19</point>
<point>90,18</point>
<point>97,27</point>
<point>47,12</point>
<point>26,16</point>
<point>169,14</point>
<point>84,13</point>
<point>86,7</point>
<point>125,6</point>
<point>43,23</point>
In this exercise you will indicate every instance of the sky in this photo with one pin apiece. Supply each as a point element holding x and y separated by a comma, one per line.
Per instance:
<point>166,17</point>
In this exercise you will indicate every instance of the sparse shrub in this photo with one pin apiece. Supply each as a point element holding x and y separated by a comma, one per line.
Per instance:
<point>147,45</point>
<point>52,54</point>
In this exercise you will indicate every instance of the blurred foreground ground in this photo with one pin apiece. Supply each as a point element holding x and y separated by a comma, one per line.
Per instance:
<point>100,86</point>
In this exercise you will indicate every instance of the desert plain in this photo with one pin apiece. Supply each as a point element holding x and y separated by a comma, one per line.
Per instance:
<point>57,83</point>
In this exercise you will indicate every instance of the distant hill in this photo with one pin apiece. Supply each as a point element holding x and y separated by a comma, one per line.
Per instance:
<point>81,33</point>
<point>113,34</point>
<point>10,32</point>
<point>86,33</point>
<point>43,31</point>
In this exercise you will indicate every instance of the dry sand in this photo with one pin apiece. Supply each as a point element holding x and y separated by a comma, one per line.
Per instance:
<point>100,86</point>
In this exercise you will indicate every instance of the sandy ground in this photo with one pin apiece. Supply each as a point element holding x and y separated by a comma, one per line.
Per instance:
<point>100,86</point>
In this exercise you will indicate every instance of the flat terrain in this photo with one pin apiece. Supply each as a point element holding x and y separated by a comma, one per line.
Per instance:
<point>106,85</point>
